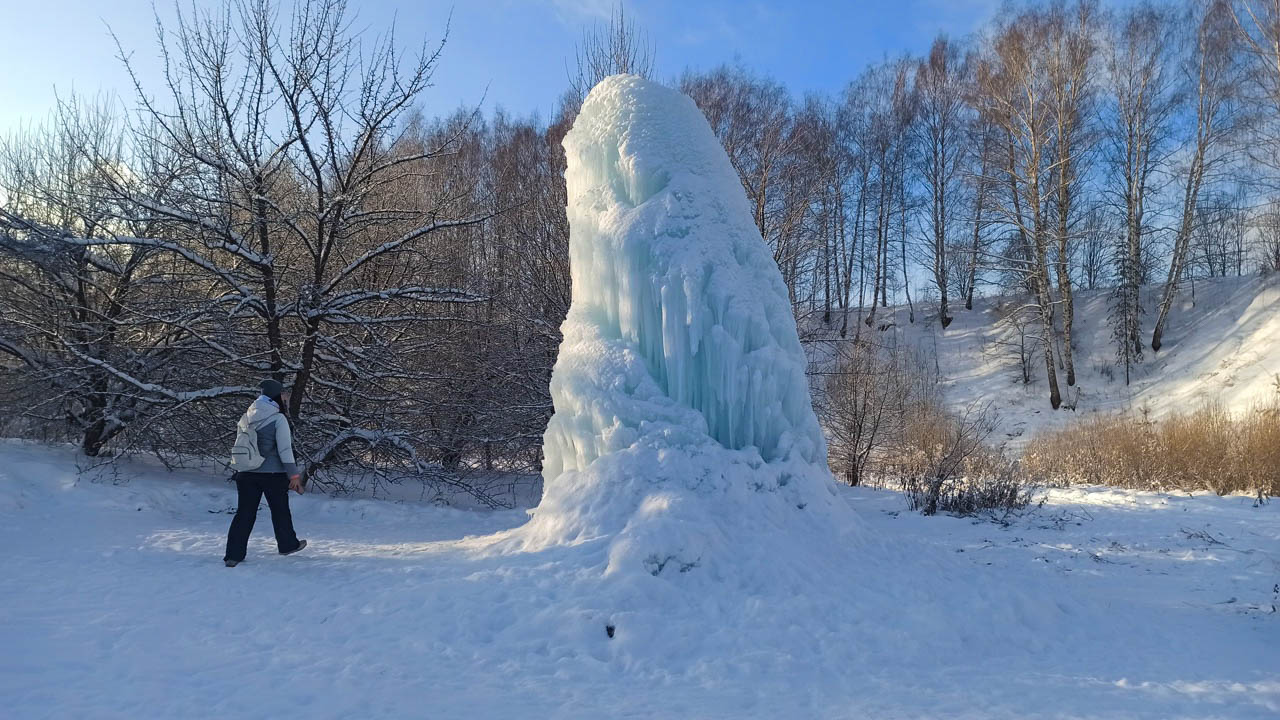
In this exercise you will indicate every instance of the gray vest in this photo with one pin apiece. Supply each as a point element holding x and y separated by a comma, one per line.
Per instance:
<point>271,462</point>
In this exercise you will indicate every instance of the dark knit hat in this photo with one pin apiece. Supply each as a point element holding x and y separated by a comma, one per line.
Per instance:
<point>271,388</point>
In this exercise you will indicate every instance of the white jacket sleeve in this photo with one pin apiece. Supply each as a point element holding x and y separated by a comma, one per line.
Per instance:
<point>284,446</point>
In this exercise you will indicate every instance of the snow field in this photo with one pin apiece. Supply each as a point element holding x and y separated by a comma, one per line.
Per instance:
<point>1102,603</point>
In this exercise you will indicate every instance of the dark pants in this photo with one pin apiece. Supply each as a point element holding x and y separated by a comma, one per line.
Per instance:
<point>252,486</point>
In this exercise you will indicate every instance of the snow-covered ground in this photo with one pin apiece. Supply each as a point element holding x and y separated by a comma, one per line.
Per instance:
<point>690,555</point>
<point>1101,604</point>
<point>1222,344</point>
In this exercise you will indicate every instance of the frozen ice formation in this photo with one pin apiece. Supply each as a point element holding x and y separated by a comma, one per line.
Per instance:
<point>681,403</point>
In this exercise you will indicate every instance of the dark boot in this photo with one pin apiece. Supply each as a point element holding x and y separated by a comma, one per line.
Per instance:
<point>301,544</point>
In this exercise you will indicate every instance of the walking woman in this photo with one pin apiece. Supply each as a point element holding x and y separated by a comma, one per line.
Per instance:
<point>263,460</point>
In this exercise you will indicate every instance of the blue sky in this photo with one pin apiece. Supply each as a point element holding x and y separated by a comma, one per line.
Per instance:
<point>511,53</point>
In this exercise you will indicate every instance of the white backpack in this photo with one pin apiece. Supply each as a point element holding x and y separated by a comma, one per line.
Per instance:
<point>245,456</point>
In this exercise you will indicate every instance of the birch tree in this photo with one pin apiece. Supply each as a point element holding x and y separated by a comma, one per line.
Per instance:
<point>1070,52</point>
<point>1215,74</point>
<point>1014,97</point>
<point>940,89</point>
<point>1143,101</point>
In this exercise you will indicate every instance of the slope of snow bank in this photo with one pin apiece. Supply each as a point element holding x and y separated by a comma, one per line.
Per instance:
<point>1222,345</point>
<point>1100,604</point>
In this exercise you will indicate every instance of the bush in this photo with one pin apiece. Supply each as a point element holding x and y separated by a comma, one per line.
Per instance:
<point>993,486</point>
<point>948,467</point>
<point>886,424</point>
<point>1207,449</point>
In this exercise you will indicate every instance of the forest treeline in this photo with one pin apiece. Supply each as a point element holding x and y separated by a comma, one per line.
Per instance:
<point>282,205</point>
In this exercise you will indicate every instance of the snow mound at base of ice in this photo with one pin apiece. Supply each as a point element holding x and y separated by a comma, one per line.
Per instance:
<point>683,434</point>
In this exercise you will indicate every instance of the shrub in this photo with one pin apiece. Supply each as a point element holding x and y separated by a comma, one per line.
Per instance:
<point>946,465</point>
<point>1206,449</point>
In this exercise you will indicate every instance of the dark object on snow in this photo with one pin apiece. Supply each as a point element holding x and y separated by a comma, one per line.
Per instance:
<point>271,388</point>
<point>301,544</point>
<point>231,563</point>
<point>608,630</point>
<point>251,487</point>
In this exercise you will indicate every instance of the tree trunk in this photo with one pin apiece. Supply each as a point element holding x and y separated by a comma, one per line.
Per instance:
<point>275,343</point>
<point>906,280</point>
<point>979,201</point>
<point>1180,246</point>
<point>1064,286</point>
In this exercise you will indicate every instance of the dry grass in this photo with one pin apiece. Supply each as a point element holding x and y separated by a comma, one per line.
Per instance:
<point>1208,449</point>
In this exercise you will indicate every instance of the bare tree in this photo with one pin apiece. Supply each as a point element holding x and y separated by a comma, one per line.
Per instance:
<point>1071,49</point>
<point>865,403</point>
<point>1214,71</point>
<point>853,123</point>
<point>1258,22</point>
<point>982,136</point>
<point>274,173</point>
<point>1143,101</point>
<point>1268,238</point>
<point>1097,235</point>
<point>1014,97</point>
<point>1019,341</point>
<point>73,305</point>
<point>1222,224</point>
<point>892,108</point>
<point>940,89</point>
<point>817,180</point>
<point>619,47</point>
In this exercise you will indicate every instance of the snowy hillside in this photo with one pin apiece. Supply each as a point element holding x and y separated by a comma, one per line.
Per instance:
<point>1222,345</point>
<point>1100,604</point>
